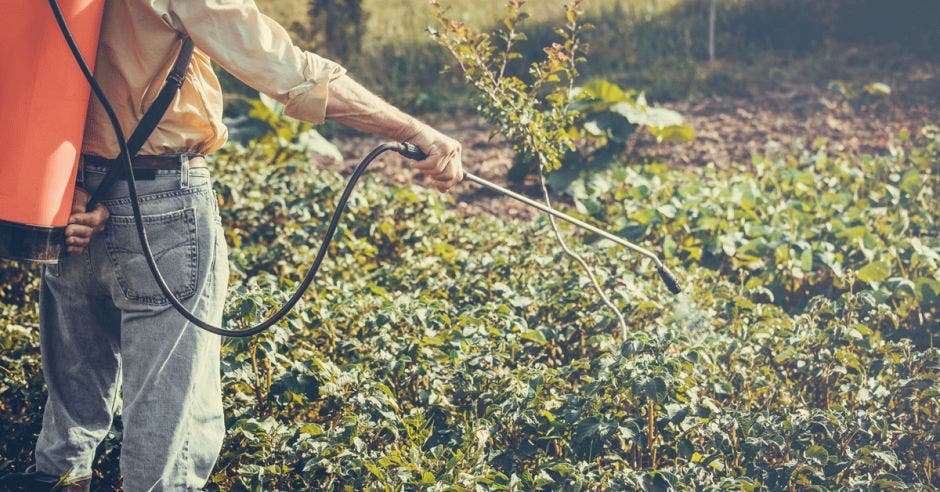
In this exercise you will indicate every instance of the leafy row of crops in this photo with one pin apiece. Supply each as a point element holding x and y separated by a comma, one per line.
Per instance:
<point>451,352</point>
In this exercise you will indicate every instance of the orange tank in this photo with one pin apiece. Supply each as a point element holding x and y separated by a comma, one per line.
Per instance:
<point>43,104</point>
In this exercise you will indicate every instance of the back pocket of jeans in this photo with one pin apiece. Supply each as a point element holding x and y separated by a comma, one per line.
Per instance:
<point>173,241</point>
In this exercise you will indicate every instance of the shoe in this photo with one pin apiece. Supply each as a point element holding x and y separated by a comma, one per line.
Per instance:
<point>31,480</point>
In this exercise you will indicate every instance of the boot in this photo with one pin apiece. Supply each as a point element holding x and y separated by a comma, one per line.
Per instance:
<point>35,481</point>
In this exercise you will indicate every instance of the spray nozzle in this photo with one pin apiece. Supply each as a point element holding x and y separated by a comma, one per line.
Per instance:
<point>669,279</point>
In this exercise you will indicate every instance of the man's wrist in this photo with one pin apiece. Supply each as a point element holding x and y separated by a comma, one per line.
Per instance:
<point>410,131</point>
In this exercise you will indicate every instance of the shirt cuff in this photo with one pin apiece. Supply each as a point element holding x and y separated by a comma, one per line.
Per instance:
<point>307,101</point>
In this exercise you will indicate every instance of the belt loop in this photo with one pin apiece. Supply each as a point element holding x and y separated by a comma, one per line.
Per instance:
<point>81,171</point>
<point>184,171</point>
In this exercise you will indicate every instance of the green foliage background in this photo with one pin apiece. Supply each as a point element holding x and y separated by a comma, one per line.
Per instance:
<point>449,352</point>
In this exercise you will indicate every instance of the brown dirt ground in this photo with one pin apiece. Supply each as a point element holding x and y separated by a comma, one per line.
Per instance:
<point>729,130</point>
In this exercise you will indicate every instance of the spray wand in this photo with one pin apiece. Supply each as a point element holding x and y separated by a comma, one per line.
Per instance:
<point>411,151</point>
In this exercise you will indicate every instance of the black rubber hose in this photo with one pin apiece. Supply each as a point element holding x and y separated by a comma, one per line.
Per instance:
<point>142,233</point>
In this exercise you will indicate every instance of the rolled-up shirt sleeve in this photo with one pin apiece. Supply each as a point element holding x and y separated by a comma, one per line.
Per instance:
<point>257,50</point>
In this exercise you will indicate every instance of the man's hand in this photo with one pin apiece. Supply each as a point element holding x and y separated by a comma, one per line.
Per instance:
<point>443,164</point>
<point>353,105</point>
<point>83,225</point>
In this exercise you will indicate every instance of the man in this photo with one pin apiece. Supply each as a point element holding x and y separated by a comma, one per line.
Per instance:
<point>105,326</point>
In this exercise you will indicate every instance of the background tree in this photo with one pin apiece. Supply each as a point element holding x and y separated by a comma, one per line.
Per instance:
<point>335,27</point>
<point>711,30</point>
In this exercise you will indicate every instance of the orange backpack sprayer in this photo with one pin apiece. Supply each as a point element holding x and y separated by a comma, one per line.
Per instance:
<point>44,92</point>
<point>42,117</point>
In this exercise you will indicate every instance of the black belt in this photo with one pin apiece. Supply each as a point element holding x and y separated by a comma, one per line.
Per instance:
<point>145,165</point>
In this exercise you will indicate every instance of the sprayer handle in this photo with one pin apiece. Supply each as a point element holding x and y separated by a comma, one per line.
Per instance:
<point>411,151</point>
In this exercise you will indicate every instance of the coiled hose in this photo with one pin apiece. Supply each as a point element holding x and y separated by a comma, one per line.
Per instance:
<point>125,159</point>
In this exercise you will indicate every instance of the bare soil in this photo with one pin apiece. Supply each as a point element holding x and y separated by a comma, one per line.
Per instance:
<point>729,130</point>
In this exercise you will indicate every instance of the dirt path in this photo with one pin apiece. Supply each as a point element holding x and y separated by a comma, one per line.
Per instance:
<point>729,130</point>
<point>733,130</point>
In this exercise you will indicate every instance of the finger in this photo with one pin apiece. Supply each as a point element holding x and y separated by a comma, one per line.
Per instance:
<point>101,212</point>
<point>81,196</point>
<point>79,230</point>
<point>75,249</point>
<point>446,185</point>
<point>446,162</point>
<point>434,154</point>
<point>438,157</point>
<point>79,200</point>
<point>90,219</point>
<point>77,241</point>
<point>433,166</point>
<point>453,173</point>
<point>439,167</point>
<point>447,170</point>
<point>460,174</point>
<point>443,185</point>
<point>444,180</point>
<point>454,170</point>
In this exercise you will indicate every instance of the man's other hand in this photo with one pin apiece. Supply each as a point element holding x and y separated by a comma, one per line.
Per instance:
<point>443,164</point>
<point>83,225</point>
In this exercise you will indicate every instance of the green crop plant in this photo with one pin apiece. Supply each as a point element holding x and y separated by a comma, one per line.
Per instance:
<point>543,114</point>
<point>439,351</point>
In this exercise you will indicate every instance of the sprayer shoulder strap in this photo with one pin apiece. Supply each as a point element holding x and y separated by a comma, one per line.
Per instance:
<point>156,110</point>
<point>153,115</point>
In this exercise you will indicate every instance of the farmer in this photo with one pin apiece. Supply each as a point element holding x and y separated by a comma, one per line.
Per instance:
<point>108,336</point>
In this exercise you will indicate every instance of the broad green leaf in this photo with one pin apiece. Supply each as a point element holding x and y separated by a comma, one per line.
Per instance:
<point>535,336</point>
<point>911,181</point>
<point>817,454</point>
<point>373,469</point>
<point>311,429</point>
<point>604,91</point>
<point>673,133</point>
<point>806,260</point>
<point>927,291</point>
<point>875,271</point>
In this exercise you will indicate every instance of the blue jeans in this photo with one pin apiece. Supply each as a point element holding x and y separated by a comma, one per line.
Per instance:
<point>112,343</point>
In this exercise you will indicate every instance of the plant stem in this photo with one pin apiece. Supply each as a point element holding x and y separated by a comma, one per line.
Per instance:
<point>579,259</point>
<point>649,432</point>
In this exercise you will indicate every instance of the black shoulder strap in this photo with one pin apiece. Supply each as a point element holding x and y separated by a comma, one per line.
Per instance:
<point>152,117</point>
<point>156,111</point>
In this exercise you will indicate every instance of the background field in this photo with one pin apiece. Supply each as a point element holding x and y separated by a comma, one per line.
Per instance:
<point>658,45</point>
<point>449,344</point>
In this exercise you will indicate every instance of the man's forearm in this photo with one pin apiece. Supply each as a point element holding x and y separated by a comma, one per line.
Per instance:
<point>353,105</point>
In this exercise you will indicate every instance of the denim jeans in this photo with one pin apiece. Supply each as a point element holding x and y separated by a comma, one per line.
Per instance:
<point>112,343</point>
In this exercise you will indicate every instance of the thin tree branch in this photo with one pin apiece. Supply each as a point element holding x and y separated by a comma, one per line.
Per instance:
<point>579,259</point>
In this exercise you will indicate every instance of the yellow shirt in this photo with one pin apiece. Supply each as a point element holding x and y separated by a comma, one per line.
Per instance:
<point>139,43</point>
